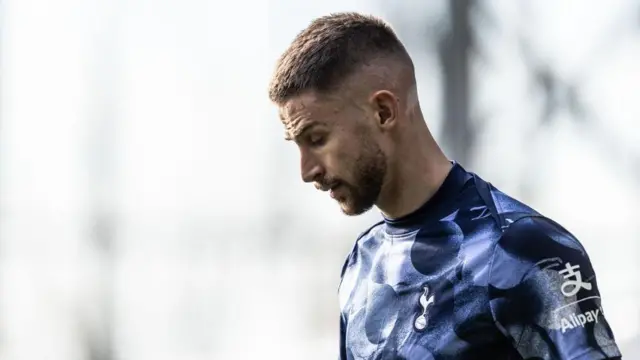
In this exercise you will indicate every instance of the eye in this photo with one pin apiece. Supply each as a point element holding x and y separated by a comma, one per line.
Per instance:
<point>316,139</point>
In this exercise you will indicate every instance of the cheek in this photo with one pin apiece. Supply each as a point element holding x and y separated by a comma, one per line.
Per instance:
<point>341,160</point>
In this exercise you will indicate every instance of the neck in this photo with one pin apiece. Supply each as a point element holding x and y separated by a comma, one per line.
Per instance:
<point>416,178</point>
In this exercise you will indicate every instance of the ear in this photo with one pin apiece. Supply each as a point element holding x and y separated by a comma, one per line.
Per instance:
<point>385,107</point>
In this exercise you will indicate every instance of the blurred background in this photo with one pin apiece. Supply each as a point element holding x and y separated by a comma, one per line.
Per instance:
<point>149,208</point>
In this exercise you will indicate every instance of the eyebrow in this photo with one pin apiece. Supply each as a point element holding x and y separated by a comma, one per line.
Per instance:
<point>308,126</point>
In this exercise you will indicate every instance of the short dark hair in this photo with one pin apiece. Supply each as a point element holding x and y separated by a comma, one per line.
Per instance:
<point>330,49</point>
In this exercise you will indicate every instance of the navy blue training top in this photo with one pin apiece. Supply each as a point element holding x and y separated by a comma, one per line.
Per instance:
<point>472,274</point>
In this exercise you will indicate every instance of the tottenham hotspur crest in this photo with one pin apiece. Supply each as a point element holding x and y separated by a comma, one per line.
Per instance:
<point>425,302</point>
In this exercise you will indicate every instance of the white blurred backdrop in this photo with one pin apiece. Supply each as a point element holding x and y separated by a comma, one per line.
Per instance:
<point>149,208</point>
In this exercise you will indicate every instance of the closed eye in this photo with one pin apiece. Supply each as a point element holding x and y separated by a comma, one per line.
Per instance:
<point>316,140</point>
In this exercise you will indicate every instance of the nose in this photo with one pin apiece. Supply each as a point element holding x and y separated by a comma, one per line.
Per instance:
<point>310,167</point>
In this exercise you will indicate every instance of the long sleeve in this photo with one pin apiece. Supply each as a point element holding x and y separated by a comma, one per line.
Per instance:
<point>544,294</point>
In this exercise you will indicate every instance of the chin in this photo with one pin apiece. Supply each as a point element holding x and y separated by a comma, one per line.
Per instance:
<point>352,210</point>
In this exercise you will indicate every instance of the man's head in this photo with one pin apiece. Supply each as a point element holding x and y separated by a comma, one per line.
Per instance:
<point>346,89</point>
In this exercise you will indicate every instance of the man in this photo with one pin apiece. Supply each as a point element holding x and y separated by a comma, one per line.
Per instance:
<point>456,269</point>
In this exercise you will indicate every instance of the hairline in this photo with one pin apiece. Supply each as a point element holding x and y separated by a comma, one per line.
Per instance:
<point>379,59</point>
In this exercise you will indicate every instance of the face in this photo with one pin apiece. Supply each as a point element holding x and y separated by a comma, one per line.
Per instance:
<point>338,150</point>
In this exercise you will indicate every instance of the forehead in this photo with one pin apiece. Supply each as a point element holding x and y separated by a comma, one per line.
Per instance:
<point>309,110</point>
<point>309,107</point>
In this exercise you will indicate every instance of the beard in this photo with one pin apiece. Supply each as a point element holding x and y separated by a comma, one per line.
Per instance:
<point>369,171</point>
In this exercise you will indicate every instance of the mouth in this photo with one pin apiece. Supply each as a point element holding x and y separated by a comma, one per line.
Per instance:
<point>332,188</point>
<point>332,191</point>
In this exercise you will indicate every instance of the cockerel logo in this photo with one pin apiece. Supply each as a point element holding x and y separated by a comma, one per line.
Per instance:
<point>425,302</point>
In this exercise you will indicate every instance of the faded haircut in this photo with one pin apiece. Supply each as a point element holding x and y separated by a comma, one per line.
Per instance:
<point>331,49</point>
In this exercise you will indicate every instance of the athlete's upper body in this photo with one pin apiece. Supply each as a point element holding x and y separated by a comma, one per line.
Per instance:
<point>472,274</point>
<point>457,269</point>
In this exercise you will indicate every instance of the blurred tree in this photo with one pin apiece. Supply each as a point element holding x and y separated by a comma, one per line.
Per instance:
<point>564,94</point>
<point>451,29</point>
<point>454,52</point>
<point>98,327</point>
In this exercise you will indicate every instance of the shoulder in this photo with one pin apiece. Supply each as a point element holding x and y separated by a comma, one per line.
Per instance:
<point>363,235</point>
<point>535,238</point>
<point>484,200</point>
<point>534,243</point>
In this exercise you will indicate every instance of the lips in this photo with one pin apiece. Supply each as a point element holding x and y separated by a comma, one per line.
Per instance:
<point>326,186</point>
<point>333,191</point>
